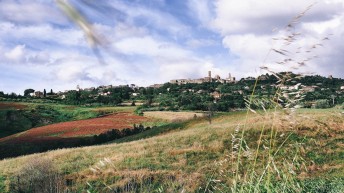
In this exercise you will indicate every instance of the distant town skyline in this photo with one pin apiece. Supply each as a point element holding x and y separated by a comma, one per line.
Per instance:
<point>155,41</point>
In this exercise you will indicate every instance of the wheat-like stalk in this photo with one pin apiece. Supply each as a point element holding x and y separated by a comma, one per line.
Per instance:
<point>286,98</point>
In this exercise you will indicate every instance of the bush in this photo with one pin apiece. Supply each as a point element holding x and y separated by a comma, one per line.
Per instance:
<point>37,176</point>
<point>322,104</point>
<point>323,185</point>
<point>2,184</point>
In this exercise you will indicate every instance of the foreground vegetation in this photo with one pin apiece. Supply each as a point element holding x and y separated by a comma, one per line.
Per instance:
<point>195,156</point>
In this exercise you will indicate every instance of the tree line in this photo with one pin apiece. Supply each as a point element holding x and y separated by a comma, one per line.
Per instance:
<point>193,96</point>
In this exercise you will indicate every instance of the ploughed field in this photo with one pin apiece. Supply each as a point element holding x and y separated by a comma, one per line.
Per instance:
<point>11,106</point>
<point>77,129</point>
<point>68,134</point>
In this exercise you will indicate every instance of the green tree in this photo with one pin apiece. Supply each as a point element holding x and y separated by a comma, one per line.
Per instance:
<point>44,93</point>
<point>13,95</point>
<point>73,97</point>
<point>28,91</point>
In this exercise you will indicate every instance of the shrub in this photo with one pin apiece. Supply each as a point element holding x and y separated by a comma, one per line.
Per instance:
<point>2,184</point>
<point>322,104</point>
<point>323,185</point>
<point>37,176</point>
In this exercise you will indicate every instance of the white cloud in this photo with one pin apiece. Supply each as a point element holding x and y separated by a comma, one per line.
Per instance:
<point>120,31</point>
<point>202,10</point>
<point>147,42</point>
<point>248,44</point>
<point>42,33</point>
<point>32,12</point>
<point>263,16</point>
<point>149,46</point>
<point>185,68</point>
<point>324,26</point>
<point>42,57</point>
<point>69,72</point>
<point>247,31</point>
<point>196,43</point>
<point>151,17</point>
<point>16,54</point>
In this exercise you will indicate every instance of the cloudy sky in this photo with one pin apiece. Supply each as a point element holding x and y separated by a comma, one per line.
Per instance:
<point>152,41</point>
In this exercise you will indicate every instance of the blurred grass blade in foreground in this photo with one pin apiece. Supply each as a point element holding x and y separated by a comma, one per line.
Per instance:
<point>86,27</point>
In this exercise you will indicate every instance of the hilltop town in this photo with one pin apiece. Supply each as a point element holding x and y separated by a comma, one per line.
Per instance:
<point>101,89</point>
<point>209,78</point>
<point>195,94</point>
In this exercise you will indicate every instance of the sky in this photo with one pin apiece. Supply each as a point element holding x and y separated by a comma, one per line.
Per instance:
<point>145,42</point>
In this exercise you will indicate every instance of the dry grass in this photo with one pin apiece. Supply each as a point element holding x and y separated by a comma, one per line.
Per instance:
<point>115,109</point>
<point>180,155</point>
<point>172,116</point>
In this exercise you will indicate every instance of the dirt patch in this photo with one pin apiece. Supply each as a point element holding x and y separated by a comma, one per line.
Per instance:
<point>4,106</point>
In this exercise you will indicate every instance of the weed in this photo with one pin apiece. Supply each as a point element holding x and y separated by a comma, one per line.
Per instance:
<point>38,175</point>
<point>2,184</point>
<point>261,167</point>
<point>335,185</point>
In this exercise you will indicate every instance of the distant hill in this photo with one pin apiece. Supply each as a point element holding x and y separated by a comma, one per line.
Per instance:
<point>200,96</point>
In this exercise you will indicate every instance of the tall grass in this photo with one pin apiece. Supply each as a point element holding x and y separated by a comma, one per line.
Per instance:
<point>262,167</point>
<point>37,176</point>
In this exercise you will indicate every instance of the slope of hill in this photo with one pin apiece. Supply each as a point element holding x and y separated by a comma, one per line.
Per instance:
<point>66,134</point>
<point>200,157</point>
<point>17,117</point>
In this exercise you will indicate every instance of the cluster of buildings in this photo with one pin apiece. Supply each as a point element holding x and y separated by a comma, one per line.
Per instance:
<point>100,91</point>
<point>209,78</point>
<point>104,90</point>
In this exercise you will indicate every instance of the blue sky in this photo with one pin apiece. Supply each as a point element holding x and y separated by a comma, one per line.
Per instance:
<point>152,41</point>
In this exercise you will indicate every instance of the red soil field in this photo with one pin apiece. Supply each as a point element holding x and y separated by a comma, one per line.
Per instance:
<point>11,106</point>
<point>74,129</point>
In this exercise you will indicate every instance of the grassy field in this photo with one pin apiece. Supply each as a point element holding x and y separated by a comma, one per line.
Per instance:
<point>195,156</point>
<point>78,132</point>
<point>172,116</point>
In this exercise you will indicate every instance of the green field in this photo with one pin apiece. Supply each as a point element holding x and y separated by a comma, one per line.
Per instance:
<point>195,156</point>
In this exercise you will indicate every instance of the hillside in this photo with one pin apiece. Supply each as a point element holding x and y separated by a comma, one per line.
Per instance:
<point>16,117</point>
<point>195,156</point>
<point>68,134</point>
